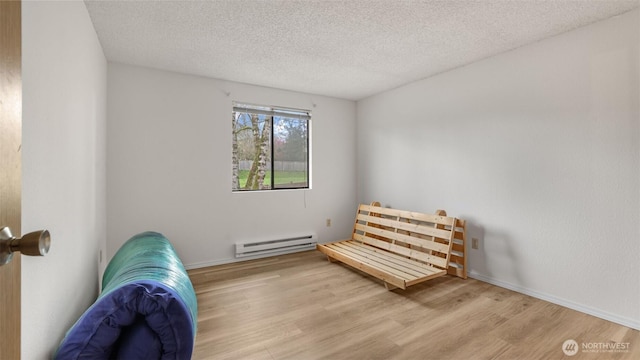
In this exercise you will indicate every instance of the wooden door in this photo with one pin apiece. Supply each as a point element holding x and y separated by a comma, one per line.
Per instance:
<point>10,170</point>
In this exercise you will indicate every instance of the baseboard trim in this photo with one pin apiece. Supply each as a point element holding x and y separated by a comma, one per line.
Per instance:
<point>203,264</point>
<point>631,323</point>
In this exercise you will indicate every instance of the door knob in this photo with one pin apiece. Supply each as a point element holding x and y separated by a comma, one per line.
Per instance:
<point>35,243</point>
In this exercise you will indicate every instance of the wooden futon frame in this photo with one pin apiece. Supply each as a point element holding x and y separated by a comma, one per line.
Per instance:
<point>402,248</point>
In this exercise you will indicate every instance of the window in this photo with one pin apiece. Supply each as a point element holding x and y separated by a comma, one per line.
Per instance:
<point>270,148</point>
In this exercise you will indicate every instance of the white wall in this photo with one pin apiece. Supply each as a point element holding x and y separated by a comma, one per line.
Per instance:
<point>63,157</point>
<point>169,165</point>
<point>539,149</point>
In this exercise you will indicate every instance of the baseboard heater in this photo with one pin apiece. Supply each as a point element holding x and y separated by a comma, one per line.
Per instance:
<point>277,246</point>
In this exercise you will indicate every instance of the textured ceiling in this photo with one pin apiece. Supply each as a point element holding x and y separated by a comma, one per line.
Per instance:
<point>347,49</point>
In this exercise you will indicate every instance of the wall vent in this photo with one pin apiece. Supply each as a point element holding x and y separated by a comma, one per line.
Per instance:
<point>277,246</point>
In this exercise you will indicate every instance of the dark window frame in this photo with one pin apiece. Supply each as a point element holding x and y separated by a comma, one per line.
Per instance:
<point>270,113</point>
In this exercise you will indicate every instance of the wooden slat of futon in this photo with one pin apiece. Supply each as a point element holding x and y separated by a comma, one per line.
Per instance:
<point>339,247</point>
<point>359,248</point>
<point>406,262</point>
<point>364,267</point>
<point>456,259</point>
<point>430,218</point>
<point>458,247</point>
<point>418,255</point>
<point>423,279</point>
<point>424,243</point>
<point>381,264</point>
<point>411,227</point>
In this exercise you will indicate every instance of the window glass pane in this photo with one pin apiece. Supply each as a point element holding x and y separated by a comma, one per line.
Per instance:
<point>290,153</point>
<point>251,151</point>
<point>266,138</point>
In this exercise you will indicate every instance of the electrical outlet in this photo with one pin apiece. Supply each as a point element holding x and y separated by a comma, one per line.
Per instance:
<point>328,222</point>
<point>474,243</point>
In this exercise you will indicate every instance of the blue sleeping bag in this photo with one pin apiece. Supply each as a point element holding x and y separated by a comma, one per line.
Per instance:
<point>147,308</point>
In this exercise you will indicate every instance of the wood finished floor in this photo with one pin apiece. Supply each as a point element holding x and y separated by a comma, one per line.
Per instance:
<point>300,306</point>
